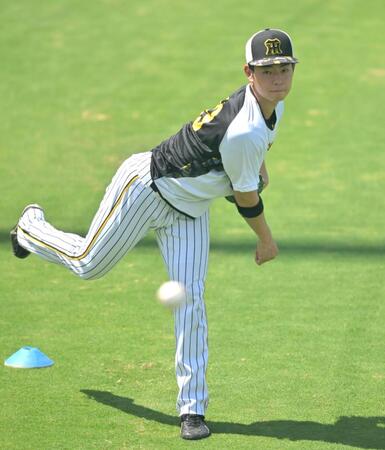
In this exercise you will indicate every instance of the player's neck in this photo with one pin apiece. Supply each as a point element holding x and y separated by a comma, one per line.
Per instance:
<point>266,106</point>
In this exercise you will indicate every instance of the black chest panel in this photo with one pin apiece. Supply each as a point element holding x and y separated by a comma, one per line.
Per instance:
<point>194,150</point>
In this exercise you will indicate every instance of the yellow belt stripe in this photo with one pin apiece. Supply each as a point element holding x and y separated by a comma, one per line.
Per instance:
<point>100,229</point>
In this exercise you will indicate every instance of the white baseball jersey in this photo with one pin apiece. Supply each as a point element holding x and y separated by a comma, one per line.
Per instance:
<point>222,150</point>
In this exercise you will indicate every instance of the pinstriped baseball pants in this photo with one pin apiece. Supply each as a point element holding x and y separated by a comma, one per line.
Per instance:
<point>129,209</point>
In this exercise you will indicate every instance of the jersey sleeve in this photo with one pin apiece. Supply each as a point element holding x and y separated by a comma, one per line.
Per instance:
<point>242,157</point>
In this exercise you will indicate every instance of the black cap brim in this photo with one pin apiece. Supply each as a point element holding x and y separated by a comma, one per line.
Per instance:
<point>274,60</point>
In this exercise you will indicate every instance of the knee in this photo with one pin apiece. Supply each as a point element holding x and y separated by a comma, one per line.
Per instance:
<point>85,274</point>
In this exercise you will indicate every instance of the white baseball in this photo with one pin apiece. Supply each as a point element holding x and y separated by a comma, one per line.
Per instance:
<point>171,294</point>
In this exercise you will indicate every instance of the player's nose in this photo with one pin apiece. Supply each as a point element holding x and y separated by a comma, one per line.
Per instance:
<point>277,78</point>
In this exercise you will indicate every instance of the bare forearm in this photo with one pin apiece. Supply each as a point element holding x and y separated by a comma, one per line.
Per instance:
<point>257,224</point>
<point>260,227</point>
<point>266,248</point>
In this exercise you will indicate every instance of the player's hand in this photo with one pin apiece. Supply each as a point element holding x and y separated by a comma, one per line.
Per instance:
<point>266,251</point>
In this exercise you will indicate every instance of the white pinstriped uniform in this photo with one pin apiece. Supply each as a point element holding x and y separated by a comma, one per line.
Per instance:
<point>170,190</point>
<point>130,208</point>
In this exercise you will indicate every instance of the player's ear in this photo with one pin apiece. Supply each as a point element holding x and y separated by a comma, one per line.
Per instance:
<point>248,72</point>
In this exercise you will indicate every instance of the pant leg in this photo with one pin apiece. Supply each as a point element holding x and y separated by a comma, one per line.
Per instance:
<point>124,217</point>
<point>184,246</point>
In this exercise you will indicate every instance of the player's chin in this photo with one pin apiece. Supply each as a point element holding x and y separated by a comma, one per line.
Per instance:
<point>278,96</point>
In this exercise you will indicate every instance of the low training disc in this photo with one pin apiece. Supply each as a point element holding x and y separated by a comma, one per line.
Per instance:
<point>28,358</point>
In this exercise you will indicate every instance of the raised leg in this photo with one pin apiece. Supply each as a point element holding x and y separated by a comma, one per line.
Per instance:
<point>124,217</point>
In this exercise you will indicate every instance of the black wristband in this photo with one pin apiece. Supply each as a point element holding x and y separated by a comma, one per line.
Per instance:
<point>252,211</point>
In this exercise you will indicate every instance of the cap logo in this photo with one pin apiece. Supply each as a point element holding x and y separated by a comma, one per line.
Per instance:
<point>273,47</point>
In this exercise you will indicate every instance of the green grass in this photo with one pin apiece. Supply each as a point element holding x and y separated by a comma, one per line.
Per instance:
<point>296,346</point>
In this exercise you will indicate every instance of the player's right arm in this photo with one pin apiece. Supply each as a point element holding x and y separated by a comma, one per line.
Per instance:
<point>266,248</point>
<point>242,158</point>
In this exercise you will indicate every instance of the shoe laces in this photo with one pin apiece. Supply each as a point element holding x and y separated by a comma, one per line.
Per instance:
<point>193,419</point>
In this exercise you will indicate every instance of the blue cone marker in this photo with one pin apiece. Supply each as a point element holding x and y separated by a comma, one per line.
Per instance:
<point>28,358</point>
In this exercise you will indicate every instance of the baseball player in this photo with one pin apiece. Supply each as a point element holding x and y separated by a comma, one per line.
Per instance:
<point>169,190</point>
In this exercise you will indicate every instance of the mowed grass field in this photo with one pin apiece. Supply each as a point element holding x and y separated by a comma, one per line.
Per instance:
<point>297,346</point>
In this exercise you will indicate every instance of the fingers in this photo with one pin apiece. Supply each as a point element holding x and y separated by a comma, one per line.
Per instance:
<point>264,254</point>
<point>261,261</point>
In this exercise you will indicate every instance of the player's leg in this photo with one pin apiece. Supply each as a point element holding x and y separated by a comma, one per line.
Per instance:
<point>184,246</point>
<point>123,218</point>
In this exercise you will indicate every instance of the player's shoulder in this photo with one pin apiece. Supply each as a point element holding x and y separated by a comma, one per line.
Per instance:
<point>237,98</point>
<point>211,124</point>
<point>228,108</point>
<point>249,119</point>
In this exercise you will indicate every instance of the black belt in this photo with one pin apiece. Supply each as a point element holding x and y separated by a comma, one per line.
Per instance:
<point>154,187</point>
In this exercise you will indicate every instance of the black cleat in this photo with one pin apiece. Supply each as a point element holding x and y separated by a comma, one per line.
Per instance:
<point>18,250</point>
<point>193,426</point>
